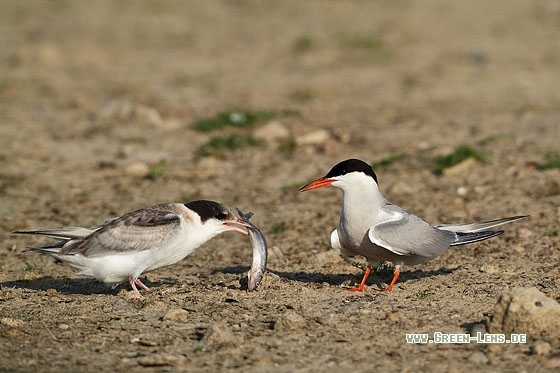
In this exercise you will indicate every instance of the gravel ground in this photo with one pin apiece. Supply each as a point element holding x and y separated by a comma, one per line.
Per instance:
<point>97,105</point>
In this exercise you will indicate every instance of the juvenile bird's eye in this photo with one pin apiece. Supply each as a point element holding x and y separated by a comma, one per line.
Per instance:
<point>220,216</point>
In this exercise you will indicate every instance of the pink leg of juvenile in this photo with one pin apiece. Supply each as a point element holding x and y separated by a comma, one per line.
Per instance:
<point>138,282</point>
<point>132,283</point>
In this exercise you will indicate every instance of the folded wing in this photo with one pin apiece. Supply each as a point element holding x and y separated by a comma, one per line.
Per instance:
<point>136,231</point>
<point>409,235</point>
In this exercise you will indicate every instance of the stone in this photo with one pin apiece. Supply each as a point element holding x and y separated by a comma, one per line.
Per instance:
<point>124,110</point>
<point>548,188</point>
<point>524,233</point>
<point>328,319</point>
<point>160,360</point>
<point>401,188</point>
<point>540,348</point>
<point>289,321</point>
<point>10,322</point>
<point>317,137</point>
<point>220,334</point>
<point>42,54</point>
<point>116,109</point>
<point>390,316</point>
<point>176,315</point>
<point>490,269</point>
<point>461,168</point>
<point>526,311</point>
<point>271,131</point>
<point>146,114</point>
<point>478,358</point>
<point>150,157</point>
<point>137,169</point>
<point>462,191</point>
<point>329,256</point>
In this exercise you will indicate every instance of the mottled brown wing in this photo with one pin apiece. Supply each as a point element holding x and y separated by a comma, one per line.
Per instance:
<point>136,231</point>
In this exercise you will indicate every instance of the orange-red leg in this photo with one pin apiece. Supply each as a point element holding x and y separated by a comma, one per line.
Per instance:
<point>362,285</point>
<point>395,277</point>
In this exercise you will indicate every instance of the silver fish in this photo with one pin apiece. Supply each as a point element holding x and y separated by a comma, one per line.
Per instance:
<point>260,250</point>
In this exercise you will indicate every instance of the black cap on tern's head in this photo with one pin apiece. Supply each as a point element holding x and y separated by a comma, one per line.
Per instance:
<point>343,168</point>
<point>210,210</point>
<point>351,165</point>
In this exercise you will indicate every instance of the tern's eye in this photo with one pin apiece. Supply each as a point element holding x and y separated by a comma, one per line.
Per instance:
<point>220,216</point>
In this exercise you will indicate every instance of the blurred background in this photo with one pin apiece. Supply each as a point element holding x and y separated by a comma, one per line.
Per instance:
<point>88,88</point>
<point>109,106</point>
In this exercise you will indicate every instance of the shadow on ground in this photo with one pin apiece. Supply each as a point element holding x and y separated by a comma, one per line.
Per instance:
<point>84,286</point>
<point>341,278</point>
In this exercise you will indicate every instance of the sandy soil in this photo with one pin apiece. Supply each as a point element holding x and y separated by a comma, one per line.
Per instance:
<point>93,94</point>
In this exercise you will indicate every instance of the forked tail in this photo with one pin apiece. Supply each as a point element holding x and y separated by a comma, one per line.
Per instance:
<point>465,238</point>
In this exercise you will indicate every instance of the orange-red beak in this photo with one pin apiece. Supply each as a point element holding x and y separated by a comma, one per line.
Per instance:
<point>320,182</point>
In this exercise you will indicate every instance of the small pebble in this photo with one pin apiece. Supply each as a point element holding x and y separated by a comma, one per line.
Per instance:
<point>540,348</point>
<point>401,188</point>
<point>328,318</point>
<point>329,256</point>
<point>137,169</point>
<point>489,268</point>
<point>524,233</point>
<point>289,321</point>
<point>462,191</point>
<point>478,358</point>
<point>313,138</point>
<point>10,322</point>
<point>461,168</point>
<point>159,360</point>
<point>273,130</point>
<point>220,334</point>
<point>146,114</point>
<point>391,317</point>
<point>176,315</point>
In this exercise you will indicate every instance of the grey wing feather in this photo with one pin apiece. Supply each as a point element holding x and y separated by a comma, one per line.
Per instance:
<point>478,226</point>
<point>410,235</point>
<point>136,231</point>
<point>67,239</point>
<point>60,233</point>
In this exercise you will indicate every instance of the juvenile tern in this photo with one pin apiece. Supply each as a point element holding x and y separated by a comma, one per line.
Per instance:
<point>373,227</point>
<point>140,241</point>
